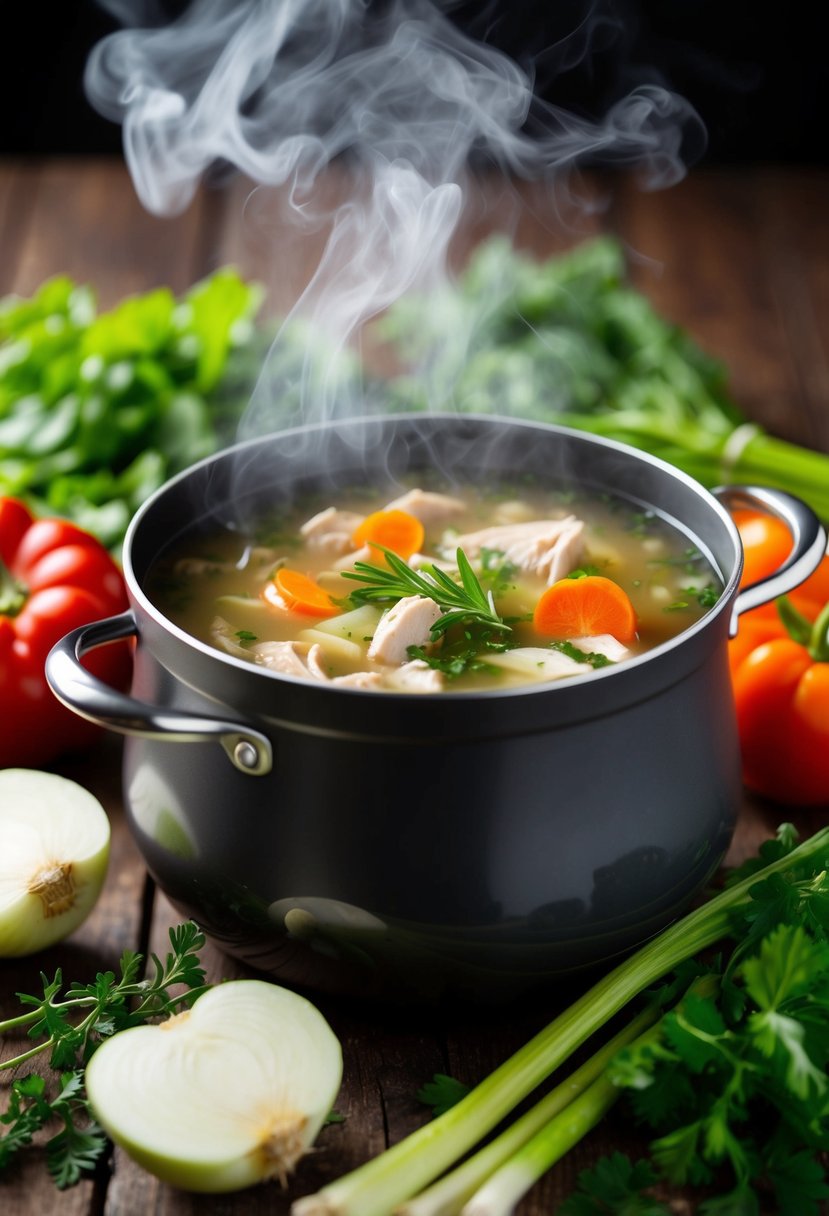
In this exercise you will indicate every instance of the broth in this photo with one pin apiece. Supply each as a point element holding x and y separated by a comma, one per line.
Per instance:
<point>249,595</point>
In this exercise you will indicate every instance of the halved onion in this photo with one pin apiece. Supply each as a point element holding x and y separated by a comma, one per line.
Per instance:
<point>54,849</point>
<point>224,1095</point>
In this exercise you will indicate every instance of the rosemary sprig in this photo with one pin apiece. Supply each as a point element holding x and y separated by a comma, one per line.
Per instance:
<point>461,603</point>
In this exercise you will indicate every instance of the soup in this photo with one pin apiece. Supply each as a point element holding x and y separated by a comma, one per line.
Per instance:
<point>430,591</point>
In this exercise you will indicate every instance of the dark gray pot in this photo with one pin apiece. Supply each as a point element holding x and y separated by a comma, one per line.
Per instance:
<point>465,843</point>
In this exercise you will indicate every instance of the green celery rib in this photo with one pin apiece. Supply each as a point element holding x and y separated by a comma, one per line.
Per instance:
<point>505,1188</point>
<point>381,1185</point>
<point>447,1196</point>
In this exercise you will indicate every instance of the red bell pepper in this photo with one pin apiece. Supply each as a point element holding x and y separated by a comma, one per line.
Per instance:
<point>53,577</point>
<point>780,675</point>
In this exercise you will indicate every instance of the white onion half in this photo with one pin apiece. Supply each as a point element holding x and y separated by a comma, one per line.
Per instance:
<point>54,849</point>
<point>224,1095</point>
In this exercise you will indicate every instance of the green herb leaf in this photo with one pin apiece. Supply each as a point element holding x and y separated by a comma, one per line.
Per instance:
<point>442,1093</point>
<point>615,1184</point>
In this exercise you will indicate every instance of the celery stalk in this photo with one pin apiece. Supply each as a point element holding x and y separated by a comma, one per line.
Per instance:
<point>381,1185</point>
<point>446,1197</point>
<point>501,1193</point>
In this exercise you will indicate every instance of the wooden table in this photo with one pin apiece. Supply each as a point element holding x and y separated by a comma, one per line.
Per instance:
<point>739,258</point>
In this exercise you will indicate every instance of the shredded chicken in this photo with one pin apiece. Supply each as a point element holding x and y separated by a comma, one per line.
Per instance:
<point>601,643</point>
<point>290,658</point>
<point>330,531</point>
<point>549,548</point>
<point>415,676</point>
<point>360,679</point>
<point>430,508</point>
<point>407,624</point>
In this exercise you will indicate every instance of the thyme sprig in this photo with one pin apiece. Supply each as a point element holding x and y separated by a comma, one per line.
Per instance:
<point>461,603</point>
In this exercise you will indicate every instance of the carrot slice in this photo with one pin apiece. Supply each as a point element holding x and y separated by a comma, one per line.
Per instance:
<point>581,607</point>
<point>297,592</point>
<point>396,530</point>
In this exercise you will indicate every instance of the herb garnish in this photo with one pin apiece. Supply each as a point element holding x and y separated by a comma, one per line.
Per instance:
<point>442,1093</point>
<point>581,656</point>
<point>108,1005</point>
<point>461,603</point>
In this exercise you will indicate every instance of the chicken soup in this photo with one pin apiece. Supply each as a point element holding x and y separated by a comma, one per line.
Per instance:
<point>427,591</point>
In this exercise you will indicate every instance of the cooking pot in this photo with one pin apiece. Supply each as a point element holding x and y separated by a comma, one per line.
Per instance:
<point>471,843</point>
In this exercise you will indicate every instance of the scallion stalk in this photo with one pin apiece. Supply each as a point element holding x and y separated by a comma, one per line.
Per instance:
<point>381,1185</point>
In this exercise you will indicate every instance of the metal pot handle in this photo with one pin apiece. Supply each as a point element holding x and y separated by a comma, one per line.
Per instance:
<point>91,698</point>
<point>808,542</point>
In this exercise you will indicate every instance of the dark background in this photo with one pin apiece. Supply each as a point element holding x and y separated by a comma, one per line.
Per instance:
<point>755,74</point>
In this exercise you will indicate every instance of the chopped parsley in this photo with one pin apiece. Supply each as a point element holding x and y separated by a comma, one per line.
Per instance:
<point>573,652</point>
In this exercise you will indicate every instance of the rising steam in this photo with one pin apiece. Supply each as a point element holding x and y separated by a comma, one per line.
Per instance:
<point>281,88</point>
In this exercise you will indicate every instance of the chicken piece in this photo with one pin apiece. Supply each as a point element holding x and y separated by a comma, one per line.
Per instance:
<point>430,508</point>
<point>407,624</point>
<point>330,531</point>
<point>549,548</point>
<point>360,679</point>
<point>601,643</point>
<point>226,635</point>
<point>415,676</point>
<point>290,658</point>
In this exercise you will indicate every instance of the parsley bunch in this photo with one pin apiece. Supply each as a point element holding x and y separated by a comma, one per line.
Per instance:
<point>734,1087</point>
<point>107,1005</point>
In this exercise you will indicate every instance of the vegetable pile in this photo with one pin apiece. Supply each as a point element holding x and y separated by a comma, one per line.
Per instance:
<point>229,1089</point>
<point>780,675</point>
<point>53,577</point>
<point>726,1061</point>
<point>98,410</point>
<point>568,341</point>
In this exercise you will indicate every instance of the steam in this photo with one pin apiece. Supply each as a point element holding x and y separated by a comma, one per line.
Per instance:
<point>281,89</point>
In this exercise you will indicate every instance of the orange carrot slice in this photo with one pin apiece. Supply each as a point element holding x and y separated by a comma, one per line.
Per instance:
<point>296,592</point>
<point>396,530</point>
<point>582,607</point>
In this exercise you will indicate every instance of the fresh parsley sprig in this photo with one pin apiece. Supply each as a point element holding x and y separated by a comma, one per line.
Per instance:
<point>107,1005</point>
<point>461,603</point>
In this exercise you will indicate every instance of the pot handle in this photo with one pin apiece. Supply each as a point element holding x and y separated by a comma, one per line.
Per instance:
<point>808,542</point>
<point>91,698</point>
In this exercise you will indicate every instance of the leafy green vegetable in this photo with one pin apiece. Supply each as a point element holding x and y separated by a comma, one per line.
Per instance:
<point>108,1005</point>
<point>614,1185</point>
<point>569,341</point>
<point>98,410</point>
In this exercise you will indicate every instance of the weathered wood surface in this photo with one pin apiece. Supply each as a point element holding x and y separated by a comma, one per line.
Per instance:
<point>740,259</point>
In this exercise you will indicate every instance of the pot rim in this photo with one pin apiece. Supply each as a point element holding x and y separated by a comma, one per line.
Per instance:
<point>558,687</point>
